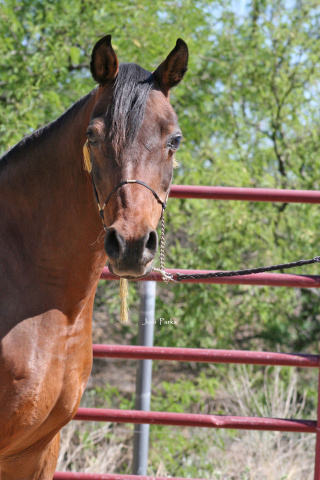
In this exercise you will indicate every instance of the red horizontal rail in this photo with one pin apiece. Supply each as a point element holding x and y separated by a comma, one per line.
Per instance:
<point>195,420</point>
<point>245,194</point>
<point>262,279</point>
<point>109,476</point>
<point>206,355</point>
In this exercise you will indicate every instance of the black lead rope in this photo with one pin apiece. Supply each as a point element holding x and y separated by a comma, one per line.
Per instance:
<point>235,273</point>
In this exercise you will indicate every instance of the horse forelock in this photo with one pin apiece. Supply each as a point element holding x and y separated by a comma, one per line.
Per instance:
<point>125,114</point>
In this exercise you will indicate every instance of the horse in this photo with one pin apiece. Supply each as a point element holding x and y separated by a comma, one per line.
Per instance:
<point>60,224</point>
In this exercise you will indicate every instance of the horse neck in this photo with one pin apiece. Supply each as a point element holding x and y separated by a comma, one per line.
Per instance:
<point>48,197</point>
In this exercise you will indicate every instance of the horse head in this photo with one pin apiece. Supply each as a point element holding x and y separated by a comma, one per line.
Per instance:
<point>133,135</point>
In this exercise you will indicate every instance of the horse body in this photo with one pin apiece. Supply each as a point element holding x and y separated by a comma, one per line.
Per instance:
<point>50,265</point>
<point>52,254</point>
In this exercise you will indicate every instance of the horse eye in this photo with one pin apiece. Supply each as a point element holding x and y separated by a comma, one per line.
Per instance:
<point>92,138</point>
<point>174,143</point>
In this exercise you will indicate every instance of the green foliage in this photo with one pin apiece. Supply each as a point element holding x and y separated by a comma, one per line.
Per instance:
<point>184,393</point>
<point>109,396</point>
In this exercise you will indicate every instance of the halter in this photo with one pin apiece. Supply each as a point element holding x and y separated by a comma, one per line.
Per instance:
<point>125,182</point>
<point>166,277</point>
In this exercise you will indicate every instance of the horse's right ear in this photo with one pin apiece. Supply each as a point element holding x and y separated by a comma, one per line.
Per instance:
<point>104,64</point>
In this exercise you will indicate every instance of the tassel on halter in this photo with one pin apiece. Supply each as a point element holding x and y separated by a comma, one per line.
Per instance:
<point>123,299</point>
<point>86,157</point>
<point>123,281</point>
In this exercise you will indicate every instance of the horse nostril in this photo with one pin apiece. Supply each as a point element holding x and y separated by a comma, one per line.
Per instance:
<point>113,243</point>
<point>152,242</point>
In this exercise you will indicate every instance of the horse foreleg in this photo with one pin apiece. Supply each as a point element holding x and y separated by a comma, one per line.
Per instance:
<point>32,464</point>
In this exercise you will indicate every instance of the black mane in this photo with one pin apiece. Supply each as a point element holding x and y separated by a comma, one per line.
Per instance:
<point>125,114</point>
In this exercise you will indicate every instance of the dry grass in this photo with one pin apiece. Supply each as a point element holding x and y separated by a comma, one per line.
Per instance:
<point>265,455</point>
<point>88,447</point>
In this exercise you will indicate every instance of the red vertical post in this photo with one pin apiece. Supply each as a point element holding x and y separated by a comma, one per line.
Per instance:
<point>317,460</point>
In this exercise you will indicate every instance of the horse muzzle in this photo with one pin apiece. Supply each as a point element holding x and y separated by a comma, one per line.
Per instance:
<point>130,257</point>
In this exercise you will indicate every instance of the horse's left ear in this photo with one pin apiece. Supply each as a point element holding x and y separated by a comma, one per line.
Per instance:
<point>104,63</point>
<point>170,72</point>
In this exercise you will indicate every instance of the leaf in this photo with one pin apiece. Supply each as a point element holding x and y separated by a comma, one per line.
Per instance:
<point>75,53</point>
<point>136,42</point>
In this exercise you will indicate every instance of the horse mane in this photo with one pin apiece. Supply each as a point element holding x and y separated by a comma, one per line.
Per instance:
<point>125,114</point>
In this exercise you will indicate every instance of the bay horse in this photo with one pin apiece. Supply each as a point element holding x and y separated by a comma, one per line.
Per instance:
<point>53,246</point>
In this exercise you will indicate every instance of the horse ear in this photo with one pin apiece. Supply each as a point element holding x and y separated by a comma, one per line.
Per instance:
<point>170,72</point>
<point>104,63</point>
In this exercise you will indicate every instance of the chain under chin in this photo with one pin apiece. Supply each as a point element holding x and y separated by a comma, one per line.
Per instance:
<point>162,244</point>
<point>166,277</point>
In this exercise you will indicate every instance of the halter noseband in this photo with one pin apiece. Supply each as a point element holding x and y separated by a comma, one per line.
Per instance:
<point>125,182</point>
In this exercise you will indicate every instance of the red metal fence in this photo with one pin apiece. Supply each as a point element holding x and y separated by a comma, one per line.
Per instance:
<point>214,356</point>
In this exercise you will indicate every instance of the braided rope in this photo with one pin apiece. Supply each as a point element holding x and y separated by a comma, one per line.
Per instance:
<point>235,273</point>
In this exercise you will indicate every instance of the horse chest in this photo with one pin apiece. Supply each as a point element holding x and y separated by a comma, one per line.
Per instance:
<point>44,366</point>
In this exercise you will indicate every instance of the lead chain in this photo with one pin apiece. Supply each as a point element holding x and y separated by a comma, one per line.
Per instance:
<point>166,277</point>
<point>162,244</point>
